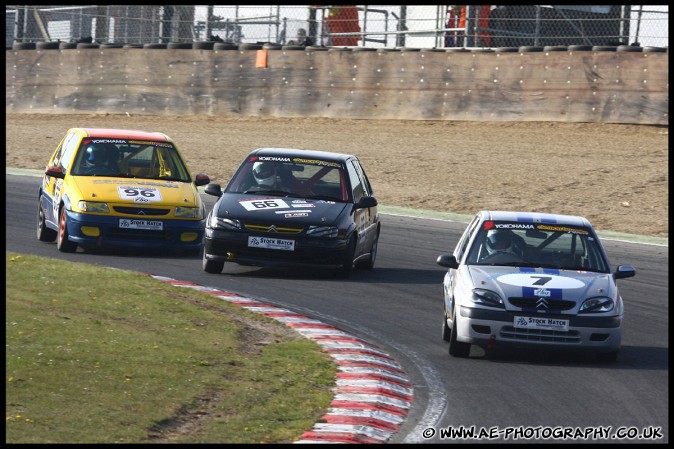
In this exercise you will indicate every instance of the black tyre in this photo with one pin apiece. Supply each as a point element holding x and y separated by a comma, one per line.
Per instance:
<point>50,45</point>
<point>347,265</point>
<point>368,263</point>
<point>179,45</point>
<point>212,266</point>
<point>457,348</point>
<point>64,245</point>
<point>446,331</point>
<point>203,45</point>
<point>44,234</point>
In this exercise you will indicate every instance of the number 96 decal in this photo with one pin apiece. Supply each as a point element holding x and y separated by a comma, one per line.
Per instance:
<point>139,194</point>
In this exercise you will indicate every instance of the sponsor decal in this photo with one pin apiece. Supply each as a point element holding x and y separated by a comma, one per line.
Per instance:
<point>513,226</point>
<point>300,160</point>
<point>542,292</point>
<point>296,215</point>
<point>294,212</point>
<point>273,158</point>
<point>541,323</point>
<point>562,229</point>
<point>108,140</point>
<point>540,281</point>
<point>156,144</point>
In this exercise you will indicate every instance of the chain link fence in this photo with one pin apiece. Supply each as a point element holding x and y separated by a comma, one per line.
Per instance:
<point>397,26</point>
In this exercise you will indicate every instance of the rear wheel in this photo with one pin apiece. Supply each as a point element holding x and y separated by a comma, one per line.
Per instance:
<point>44,233</point>
<point>457,348</point>
<point>64,245</point>
<point>212,266</point>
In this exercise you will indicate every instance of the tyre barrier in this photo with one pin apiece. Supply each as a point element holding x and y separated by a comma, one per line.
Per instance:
<point>209,45</point>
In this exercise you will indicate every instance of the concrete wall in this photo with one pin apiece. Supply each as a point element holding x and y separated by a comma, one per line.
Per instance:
<point>569,86</point>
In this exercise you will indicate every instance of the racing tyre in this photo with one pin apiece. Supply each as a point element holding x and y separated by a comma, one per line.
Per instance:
<point>368,263</point>
<point>212,266</point>
<point>457,348</point>
<point>64,245</point>
<point>446,331</point>
<point>347,265</point>
<point>44,234</point>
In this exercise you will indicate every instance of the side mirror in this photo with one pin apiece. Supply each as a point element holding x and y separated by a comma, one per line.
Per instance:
<point>55,171</point>
<point>624,271</point>
<point>368,201</point>
<point>447,261</point>
<point>201,180</point>
<point>213,189</point>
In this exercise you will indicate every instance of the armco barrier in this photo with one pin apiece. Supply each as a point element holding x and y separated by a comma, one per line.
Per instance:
<point>574,84</point>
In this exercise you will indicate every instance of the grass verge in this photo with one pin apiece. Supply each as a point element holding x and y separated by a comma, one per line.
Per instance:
<point>99,355</point>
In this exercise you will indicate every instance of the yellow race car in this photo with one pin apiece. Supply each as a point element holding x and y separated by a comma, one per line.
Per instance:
<point>113,188</point>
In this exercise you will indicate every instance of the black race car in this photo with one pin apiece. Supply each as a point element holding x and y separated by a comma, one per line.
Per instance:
<point>288,206</point>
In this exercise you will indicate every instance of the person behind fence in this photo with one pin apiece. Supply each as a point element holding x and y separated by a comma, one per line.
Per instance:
<point>302,39</point>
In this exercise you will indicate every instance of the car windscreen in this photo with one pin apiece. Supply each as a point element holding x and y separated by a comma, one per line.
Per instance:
<point>293,176</point>
<point>131,158</point>
<point>537,245</point>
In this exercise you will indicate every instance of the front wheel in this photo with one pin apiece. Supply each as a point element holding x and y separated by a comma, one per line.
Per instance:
<point>44,234</point>
<point>368,263</point>
<point>457,348</point>
<point>446,331</point>
<point>212,266</point>
<point>63,243</point>
<point>347,264</point>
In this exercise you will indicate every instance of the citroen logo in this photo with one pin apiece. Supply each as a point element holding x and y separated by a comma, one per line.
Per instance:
<point>272,228</point>
<point>542,303</point>
<point>140,212</point>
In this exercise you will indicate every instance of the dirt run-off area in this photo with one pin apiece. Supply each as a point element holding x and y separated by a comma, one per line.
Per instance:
<point>614,175</point>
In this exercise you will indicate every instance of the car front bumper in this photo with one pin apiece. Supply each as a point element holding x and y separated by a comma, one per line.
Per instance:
<point>494,328</point>
<point>184,235</point>
<point>233,246</point>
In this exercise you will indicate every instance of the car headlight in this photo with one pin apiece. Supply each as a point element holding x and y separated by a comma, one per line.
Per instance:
<point>93,207</point>
<point>224,223</point>
<point>487,298</point>
<point>188,212</point>
<point>323,231</point>
<point>597,305</point>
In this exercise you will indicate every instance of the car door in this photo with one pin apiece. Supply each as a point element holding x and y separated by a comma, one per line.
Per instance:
<point>459,253</point>
<point>51,186</point>
<point>366,218</point>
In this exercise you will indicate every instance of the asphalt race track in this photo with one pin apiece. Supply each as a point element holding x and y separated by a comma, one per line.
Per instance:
<point>517,396</point>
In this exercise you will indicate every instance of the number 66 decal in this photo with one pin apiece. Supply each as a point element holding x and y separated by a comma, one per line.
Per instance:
<point>139,194</point>
<point>263,204</point>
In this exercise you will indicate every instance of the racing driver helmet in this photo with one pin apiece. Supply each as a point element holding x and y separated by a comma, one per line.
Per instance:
<point>264,173</point>
<point>500,241</point>
<point>97,154</point>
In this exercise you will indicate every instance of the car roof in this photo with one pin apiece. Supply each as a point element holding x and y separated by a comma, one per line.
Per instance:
<point>125,134</point>
<point>534,217</point>
<point>296,152</point>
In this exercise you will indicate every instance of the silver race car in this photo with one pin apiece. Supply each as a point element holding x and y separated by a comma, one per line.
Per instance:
<point>531,279</point>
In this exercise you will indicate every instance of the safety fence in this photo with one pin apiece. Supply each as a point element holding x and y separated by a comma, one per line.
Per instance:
<point>380,26</point>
